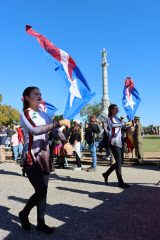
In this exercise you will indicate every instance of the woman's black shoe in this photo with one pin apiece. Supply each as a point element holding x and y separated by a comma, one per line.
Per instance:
<point>124,185</point>
<point>44,228</point>
<point>23,172</point>
<point>105,178</point>
<point>24,221</point>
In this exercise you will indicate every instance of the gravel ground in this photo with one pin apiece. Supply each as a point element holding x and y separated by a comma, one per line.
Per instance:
<point>81,206</point>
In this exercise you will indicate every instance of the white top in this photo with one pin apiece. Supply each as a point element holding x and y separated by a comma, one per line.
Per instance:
<point>115,137</point>
<point>14,139</point>
<point>36,126</point>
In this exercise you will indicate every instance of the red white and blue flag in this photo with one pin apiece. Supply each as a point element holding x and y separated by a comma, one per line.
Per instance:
<point>131,99</point>
<point>79,93</point>
<point>48,108</point>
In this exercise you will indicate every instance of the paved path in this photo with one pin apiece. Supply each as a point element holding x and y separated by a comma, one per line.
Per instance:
<point>82,207</point>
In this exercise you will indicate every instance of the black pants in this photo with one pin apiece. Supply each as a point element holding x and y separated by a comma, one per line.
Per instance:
<point>78,160</point>
<point>118,156</point>
<point>40,183</point>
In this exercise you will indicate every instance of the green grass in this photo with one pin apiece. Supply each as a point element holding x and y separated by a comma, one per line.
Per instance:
<point>151,143</point>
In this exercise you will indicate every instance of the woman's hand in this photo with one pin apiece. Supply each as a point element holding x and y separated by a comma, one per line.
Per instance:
<point>65,122</point>
<point>68,148</point>
<point>128,124</point>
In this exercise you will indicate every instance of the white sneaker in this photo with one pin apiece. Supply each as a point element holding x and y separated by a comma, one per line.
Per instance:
<point>77,169</point>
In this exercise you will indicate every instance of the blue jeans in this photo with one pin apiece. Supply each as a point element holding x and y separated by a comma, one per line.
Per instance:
<point>20,148</point>
<point>93,148</point>
<point>15,152</point>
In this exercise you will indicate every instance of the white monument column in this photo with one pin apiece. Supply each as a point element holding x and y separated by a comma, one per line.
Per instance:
<point>105,97</point>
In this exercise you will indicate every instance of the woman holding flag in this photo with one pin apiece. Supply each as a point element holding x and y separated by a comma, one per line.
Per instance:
<point>37,163</point>
<point>115,138</point>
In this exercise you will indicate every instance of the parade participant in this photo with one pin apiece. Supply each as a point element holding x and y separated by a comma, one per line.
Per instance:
<point>115,126</point>
<point>137,139</point>
<point>36,155</point>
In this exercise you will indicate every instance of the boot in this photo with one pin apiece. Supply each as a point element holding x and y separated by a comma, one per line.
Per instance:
<point>23,172</point>
<point>24,221</point>
<point>105,178</point>
<point>108,172</point>
<point>42,227</point>
<point>121,183</point>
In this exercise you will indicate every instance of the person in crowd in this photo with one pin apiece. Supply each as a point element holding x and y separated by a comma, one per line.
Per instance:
<point>138,139</point>
<point>115,126</point>
<point>9,135</point>
<point>104,143</point>
<point>75,141</point>
<point>3,139</point>
<point>85,145</point>
<point>92,131</point>
<point>36,155</point>
<point>20,141</point>
<point>124,137</point>
<point>56,147</point>
<point>14,144</point>
<point>82,137</point>
<point>59,154</point>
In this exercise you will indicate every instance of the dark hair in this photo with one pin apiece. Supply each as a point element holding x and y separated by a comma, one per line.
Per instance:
<point>77,129</point>
<point>27,92</point>
<point>111,107</point>
<point>92,118</point>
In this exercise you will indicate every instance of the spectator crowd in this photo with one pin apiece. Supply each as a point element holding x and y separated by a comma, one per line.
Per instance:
<point>93,135</point>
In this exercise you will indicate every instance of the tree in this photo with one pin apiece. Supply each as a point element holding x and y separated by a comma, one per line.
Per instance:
<point>58,117</point>
<point>8,115</point>
<point>90,109</point>
<point>1,99</point>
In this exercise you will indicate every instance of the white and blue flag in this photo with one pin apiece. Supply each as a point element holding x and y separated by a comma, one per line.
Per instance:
<point>131,99</point>
<point>79,92</point>
<point>49,108</point>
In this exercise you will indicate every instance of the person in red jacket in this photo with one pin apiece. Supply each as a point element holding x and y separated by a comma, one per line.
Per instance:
<point>20,140</point>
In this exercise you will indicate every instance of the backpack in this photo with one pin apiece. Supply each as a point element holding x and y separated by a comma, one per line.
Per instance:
<point>89,136</point>
<point>92,133</point>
